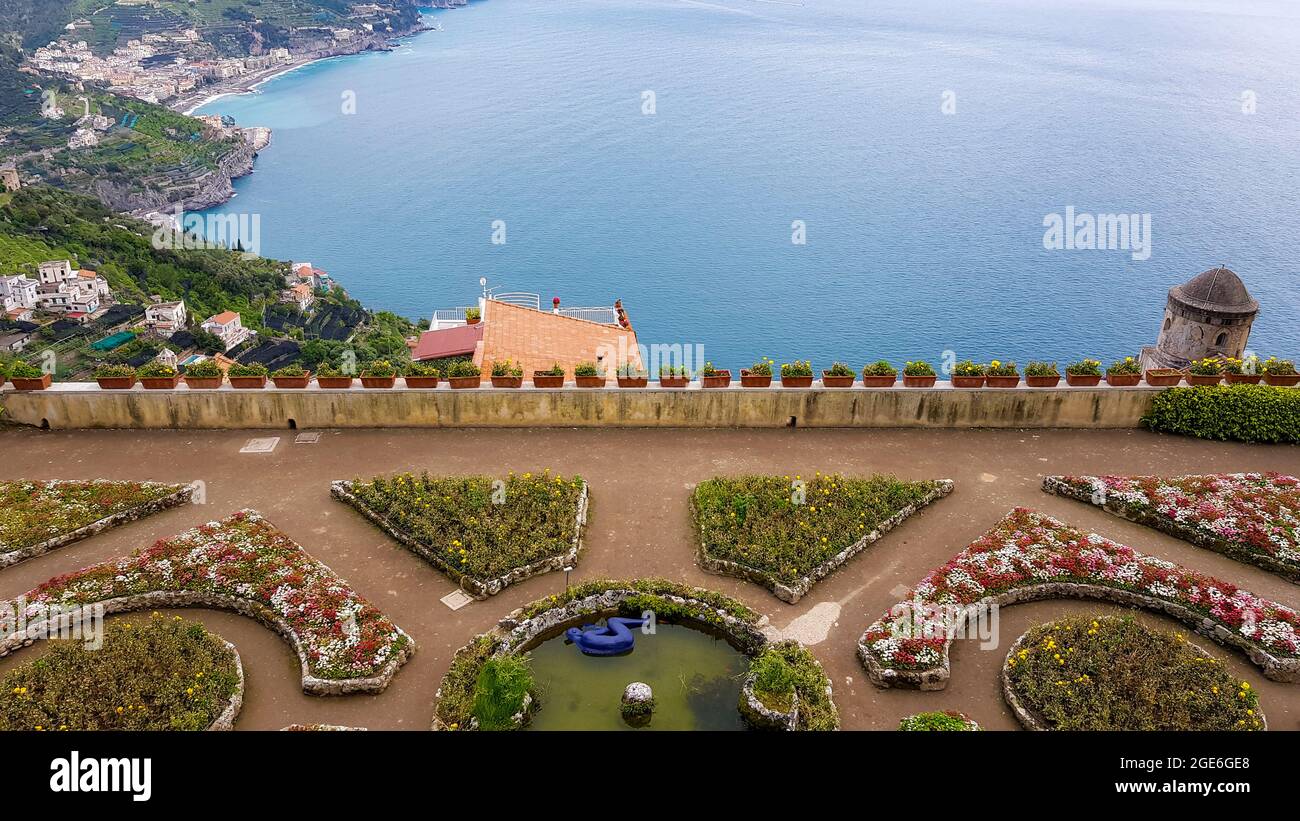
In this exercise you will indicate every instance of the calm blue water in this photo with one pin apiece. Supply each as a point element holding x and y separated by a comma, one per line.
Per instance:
<point>924,230</point>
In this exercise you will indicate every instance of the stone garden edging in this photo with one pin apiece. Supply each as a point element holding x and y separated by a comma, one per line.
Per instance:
<point>226,721</point>
<point>792,593</point>
<point>341,490</point>
<point>181,496</point>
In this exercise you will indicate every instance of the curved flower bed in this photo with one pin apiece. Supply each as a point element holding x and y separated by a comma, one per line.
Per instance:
<point>1111,673</point>
<point>752,527</point>
<point>484,533</point>
<point>1028,556</point>
<point>671,602</point>
<point>1251,517</point>
<point>938,721</point>
<point>243,564</point>
<point>164,674</point>
<point>37,517</point>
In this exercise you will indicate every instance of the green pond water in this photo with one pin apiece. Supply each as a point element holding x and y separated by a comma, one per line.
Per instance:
<point>695,678</point>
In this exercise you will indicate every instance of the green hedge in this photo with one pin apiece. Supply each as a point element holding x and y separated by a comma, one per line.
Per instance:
<point>1246,413</point>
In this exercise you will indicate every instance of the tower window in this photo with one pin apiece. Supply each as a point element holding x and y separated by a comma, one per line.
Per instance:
<point>1220,339</point>
<point>1168,323</point>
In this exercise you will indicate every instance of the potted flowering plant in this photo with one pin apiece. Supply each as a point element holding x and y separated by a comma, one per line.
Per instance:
<point>919,374</point>
<point>1042,375</point>
<point>205,374</point>
<point>797,374</point>
<point>464,374</point>
<point>1205,372</point>
<point>28,377</point>
<point>632,376</point>
<point>711,377</point>
<point>674,376</point>
<point>839,376</point>
<point>588,375</point>
<point>968,374</point>
<point>758,376</point>
<point>472,316</point>
<point>156,376</point>
<point>379,374</point>
<point>1279,372</point>
<point>1001,374</point>
<point>1242,371</point>
<point>252,375</point>
<point>553,378</point>
<point>1085,373</point>
<point>332,376</point>
<point>1124,373</point>
<point>506,374</point>
<point>1163,377</point>
<point>291,376</point>
<point>881,374</point>
<point>422,375</point>
<point>115,377</point>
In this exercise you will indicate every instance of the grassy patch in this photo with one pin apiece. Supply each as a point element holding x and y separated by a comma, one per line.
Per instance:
<point>935,721</point>
<point>159,674</point>
<point>1115,674</point>
<point>788,667</point>
<point>33,512</point>
<point>500,692</point>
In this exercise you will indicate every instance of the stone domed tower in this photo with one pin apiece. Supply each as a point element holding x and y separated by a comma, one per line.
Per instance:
<point>1207,316</point>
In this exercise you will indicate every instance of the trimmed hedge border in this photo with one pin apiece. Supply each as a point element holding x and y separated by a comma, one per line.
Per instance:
<point>792,593</point>
<point>342,490</point>
<point>1245,413</point>
<point>183,494</point>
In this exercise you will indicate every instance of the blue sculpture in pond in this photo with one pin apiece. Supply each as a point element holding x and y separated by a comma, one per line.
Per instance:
<point>610,640</point>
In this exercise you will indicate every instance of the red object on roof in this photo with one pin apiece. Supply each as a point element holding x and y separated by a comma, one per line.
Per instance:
<point>458,341</point>
<point>76,314</point>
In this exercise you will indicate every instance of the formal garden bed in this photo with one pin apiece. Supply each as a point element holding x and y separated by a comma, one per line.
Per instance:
<point>938,721</point>
<point>39,516</point>
<point>489,685</point>
<point>1029,556</point>
<point>1112,673</point>
<point>1251,517</point>
<point>244,564</point>
<point>484,532</point>
<point>785,533</point>
<point>159,674</point>
<point>786,689</point>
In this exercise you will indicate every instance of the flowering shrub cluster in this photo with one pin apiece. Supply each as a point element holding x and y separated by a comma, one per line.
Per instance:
<point>785,526</point>
<point>1253,517</point>
<point>1115,674</point>
<point>244,557</point>
<point>33,512</point>
<point>480,526</point>
<point>1027,549</point>
<point>162,674</point>
<point>937,721</point>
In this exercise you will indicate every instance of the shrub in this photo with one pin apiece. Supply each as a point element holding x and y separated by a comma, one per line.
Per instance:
<point>630,370</point>
<point>1122,367</point>
<point>109,371</point>
<point>1246,413</point>
<point>555,370</point>
<point>162,674</point>
<point>290,371</point>
<point>328,369</point>
<point>500,692</point>
<point>22,369</point>
<point>946,721</point>
<point>1278,367</point>
<point>249,369</point>
<point>967,367</point>
<point>763,367</point>
<point>788,667</point>
<point>585,369</point>
<point>380,369</point>
<point>156,370</point>
<point>1205,367</point>
<point>1111,673</point>
<point>799,367</point>
<point>1084,367</point>
<point>457,691</point>
<point>204,369</point>
<point>882,368</point>
<point>462,369</point>
<point>1038,369</point>
<point>773,681</point>
<point>840,369</point>
<point>999,368</point>
<point>504,367</point>
<point>919,368</point>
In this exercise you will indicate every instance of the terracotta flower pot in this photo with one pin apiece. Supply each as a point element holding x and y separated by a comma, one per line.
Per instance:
<point>462,382</point>
<point>1203,380</point>
<point>160,383</point>
<point>334,381</point>
<point>720,379</point>
<point>115,383</point>
<point>967,381</point>
<point>378,381</point>
<point>908,381</point>
<point>796,381</point>
<point>674,381</point>
<point>633,381</point>
<point>1242,378</point>
<point>546,380</point>
<point>1043,381</point>
<point>21,384</point>
<point>1123,380</point>
<point>1287,380</point>
<point>248,382</point>
<point>1163,377</point>
<point>292,381</point>
<point>1083,380</point>
<point>752,380</point>
<point>473,321</point>
<point>887,381</point>
<point>589,381</point>
<point>507,381</point>
<point>204,383</point>
<point>830,381</point>
<point>423,382</point>
<point>1002,381</point>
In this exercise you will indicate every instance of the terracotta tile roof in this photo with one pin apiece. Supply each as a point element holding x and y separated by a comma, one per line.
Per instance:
<point>536,340</point>
<point>459,341</point>
<point>224,318</point>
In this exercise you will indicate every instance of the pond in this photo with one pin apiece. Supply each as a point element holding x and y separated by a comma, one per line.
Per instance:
<point>695,677</point>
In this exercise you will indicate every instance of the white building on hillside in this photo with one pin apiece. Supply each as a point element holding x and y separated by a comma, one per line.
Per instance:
<point>228,327</point>
<point>18,292</point>
<point>165,317</point>
<point>64,290</point>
